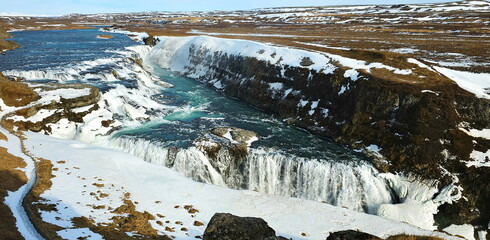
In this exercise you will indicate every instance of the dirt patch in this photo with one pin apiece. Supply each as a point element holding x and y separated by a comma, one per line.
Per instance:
<point>11,179</point>
<point>3,137</point>
<point>126,220</point>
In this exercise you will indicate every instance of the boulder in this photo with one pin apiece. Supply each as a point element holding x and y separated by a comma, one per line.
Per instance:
<point>225,226</point>
<point>351,235</point>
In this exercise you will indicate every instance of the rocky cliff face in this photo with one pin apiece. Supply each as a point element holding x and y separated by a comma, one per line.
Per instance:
<point>413,128</point>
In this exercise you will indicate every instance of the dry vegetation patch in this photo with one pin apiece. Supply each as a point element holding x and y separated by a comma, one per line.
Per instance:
<point>4,44</point>
<point>410,237</point>
<point>11,179</point>
<point>3,137</point>
<point>33,202</point>
<point>127,219</point>
<point>15,93</point>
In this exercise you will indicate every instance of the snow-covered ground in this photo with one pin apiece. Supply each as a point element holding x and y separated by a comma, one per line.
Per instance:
<point>14,199</point>
<point>476,83</point>
<point>85,169</point>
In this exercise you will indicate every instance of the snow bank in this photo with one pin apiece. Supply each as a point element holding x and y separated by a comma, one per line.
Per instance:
<point>467,231</point>
<point>136,36</point>
<point>419,201</point>
<point>174,52</point>
<point>476,83</point>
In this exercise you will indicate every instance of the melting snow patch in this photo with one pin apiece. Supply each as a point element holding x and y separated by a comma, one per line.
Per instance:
<point>482,159</point>
<point>476,83</point>
<point>484,133</point>
<point>38,117</point>
<point>314,104</point>
<point>418,63</point>
<point>342,90</point>
<point>302,103</point>
<point>430,91</point>
<point>466,231</point>
<point>373,148</point>
<point>287,92</point>
<point>352,74</point>
<point>276,86</point>
<point>403,71</point>
<point>65,93</point>
<point>325,112</point>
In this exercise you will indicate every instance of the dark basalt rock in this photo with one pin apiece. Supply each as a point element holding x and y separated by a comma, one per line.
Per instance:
<point>351,235</point>
<point>225,226</point>
<point>151,41</point>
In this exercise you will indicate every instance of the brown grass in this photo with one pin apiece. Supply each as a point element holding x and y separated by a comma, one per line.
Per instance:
<point>35,24</point>
<point>127,220</point>
<point>3,137</point>
<point>410,237</point>
<point>16,94</point>
<point>33,202</point>
<point>11,179</point>
<point>4,44</point>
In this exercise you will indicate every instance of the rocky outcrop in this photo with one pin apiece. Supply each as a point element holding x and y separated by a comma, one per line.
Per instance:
<point>225,226</point>
<point>64,108</point>
<point>410,127</point>
<point>226,148</point>
<point>351,234</point>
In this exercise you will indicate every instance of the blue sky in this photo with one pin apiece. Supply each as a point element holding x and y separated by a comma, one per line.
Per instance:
<point>59,7</point>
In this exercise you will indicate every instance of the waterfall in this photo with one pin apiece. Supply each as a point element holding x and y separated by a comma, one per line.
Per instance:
<point>354,185</point>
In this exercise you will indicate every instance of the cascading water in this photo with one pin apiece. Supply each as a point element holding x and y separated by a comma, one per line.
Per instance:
<point>348,184</point>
